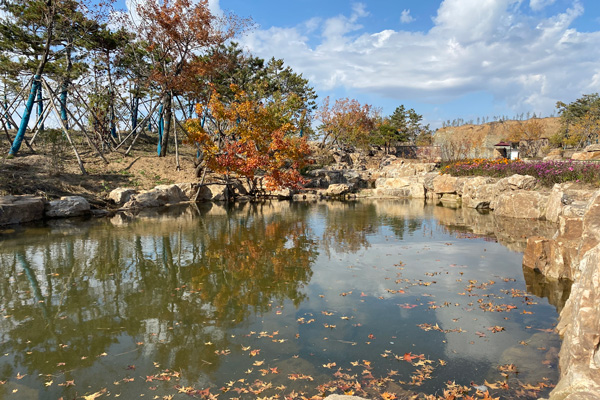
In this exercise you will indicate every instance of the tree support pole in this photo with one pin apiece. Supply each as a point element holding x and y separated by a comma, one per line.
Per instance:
<point>66,131</point>
<point>35,86</point>
<point>90,142</point>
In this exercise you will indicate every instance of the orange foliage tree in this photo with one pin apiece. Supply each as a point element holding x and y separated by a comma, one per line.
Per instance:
<point>347,123</point>
<point>252,139</point>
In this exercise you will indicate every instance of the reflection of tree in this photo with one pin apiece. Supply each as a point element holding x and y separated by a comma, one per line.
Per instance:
<point>75,296</point>
<point>348,225</point>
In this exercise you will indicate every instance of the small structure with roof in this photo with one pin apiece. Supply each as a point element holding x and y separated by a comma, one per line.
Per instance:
<point>508,150</point>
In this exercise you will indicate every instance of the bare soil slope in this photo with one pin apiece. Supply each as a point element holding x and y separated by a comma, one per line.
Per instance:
<point>53,171</point>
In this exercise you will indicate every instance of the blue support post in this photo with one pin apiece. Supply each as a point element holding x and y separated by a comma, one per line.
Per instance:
<point>35,86</point>
<point>161,125</point>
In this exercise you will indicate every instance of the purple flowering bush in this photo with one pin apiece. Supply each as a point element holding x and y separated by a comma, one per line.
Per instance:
<point>547,172</point>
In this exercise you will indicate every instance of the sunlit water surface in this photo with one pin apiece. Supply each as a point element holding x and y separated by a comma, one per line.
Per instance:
<point>273,299</point>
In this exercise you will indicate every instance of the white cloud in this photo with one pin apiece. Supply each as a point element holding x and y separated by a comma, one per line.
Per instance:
<point>475,46</point>
<point>406,18</point>
<point>537,5</point>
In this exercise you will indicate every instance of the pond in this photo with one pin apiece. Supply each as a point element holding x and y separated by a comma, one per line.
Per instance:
<point>275,300</point>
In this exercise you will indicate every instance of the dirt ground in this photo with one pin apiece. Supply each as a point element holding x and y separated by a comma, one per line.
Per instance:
<point>52,170</point>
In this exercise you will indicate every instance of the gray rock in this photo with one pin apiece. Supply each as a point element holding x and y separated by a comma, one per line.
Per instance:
<point>516,182</point>
<point>219,192</point>
<point>121,195</point>
<point>173,193</point>
<point>19,209</point>
<point>68,206</point>
<point>339,189</point>
<point>521,204</point>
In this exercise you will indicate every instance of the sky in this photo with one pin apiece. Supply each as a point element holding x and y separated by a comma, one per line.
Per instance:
<point>446,59</point>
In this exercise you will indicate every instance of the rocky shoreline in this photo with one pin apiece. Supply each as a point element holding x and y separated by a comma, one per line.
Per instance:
<point>573,252</point>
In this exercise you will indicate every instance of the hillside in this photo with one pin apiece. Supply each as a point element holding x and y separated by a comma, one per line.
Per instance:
<point>480,139</point>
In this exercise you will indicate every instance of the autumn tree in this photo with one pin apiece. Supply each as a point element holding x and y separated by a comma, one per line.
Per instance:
<point>251,139</point>
<point>176,31</point>
<point>271,81</point>
<point>347,123</point>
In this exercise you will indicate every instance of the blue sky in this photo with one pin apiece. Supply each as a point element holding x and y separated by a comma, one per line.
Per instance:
<point>446,59</point>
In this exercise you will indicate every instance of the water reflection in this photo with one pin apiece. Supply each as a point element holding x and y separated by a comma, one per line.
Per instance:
<point>192,289</point>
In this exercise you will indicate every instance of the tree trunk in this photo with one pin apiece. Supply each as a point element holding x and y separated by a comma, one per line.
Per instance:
<point>168,112</point>
<point>40,109</point>
<point>135,106</point>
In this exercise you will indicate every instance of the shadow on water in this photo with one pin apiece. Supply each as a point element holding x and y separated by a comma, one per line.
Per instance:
<point>199,295</point>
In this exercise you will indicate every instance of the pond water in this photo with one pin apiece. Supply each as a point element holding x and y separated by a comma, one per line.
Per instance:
<point>275,300</point>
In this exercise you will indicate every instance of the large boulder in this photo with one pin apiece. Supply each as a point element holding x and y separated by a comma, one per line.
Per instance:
<point>339,189</point>
<point>591,224</point>
<point>547,257</point>
<point>478,192</point>
<point>219,192</point>
<point>121,196</point>
<point>173,193</point>
<point>159,196</point>
<point>445,184</point>
<point>516,182</point>
<point>521,204</point>
<point>19,209</point>
<point>591,152</point>
<point>67,206</point>
<point>189,190</point>
<point>580,328</point>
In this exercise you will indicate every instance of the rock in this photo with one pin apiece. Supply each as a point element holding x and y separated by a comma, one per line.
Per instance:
<point>590,236</point>
<point>580,328</point>
<point>554,154</point>
<point>478,192</point>
<point>521,204</point>
<point>328,177</point>
<point>556,202</point>
<point>544,255</point>
<point>450,198</point>
<point>593,147</point>
<point>219,192</point>
<point>590,153</point>
<point>392,183</point>
<point>146,199</point>
<point>428,181</point>
<point>188,189</point>
<point>282,194</point>
<point>239,188</point>
<point>20,209</point>
<point>516,182</point>
<point>339,189</point>
<point>445,184</point>
<point>68,206</point>
<point>121,195</point>
<point>306,197</point>
<point>173,193</point>
<point>203,194</point>
<point>341,157</point>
